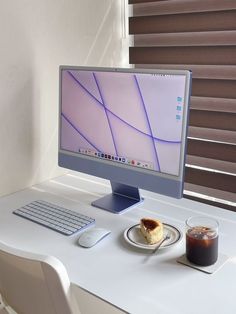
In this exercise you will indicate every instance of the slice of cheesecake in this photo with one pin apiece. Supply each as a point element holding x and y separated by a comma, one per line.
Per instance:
<point>152,230</point>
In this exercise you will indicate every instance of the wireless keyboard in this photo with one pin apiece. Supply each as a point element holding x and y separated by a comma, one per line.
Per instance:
<point>54,217</point>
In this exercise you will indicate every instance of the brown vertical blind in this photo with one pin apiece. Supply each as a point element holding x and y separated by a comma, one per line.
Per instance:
<point>200,36</point>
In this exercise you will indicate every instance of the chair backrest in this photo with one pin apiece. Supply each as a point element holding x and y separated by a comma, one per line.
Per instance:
<point>35,284</point>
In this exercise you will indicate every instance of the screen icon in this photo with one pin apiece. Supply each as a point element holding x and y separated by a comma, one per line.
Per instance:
<point>178,117</point>
<point>179,99</point>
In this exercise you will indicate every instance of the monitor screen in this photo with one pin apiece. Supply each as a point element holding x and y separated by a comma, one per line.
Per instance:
<point>126,125</point>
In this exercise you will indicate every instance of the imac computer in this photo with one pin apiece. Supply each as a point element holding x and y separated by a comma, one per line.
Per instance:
<point>125,125</point>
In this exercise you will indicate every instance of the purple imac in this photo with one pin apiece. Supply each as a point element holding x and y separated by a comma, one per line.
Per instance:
<point>125,125</point>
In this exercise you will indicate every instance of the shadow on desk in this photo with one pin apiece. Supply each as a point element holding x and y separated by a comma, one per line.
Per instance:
<point>147,254</point>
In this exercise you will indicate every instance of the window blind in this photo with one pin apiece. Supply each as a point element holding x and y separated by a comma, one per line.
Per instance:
<point>200,36</point>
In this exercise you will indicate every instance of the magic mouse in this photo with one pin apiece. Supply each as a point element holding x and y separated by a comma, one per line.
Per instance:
<point>92,236</point>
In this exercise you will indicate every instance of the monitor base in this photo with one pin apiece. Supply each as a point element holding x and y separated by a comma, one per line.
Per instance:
<point>122,198</point>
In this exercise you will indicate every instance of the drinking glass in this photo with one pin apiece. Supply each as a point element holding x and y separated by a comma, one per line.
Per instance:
<point>202,240</point>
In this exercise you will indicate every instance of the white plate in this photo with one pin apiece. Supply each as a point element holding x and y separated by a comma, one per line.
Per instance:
<point>134,237</point>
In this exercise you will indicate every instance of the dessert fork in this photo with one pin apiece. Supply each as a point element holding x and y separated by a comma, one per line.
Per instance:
<point>166,237</point>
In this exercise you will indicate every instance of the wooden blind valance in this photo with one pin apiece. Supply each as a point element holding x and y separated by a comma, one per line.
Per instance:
<point>200,36</point>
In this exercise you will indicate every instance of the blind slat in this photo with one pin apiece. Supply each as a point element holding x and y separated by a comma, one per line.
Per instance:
<point>223,195</point>
<point>214,55</point>
<point>184,22</point>
<point>214,164</point>
<point>210,201</point>
<point>181,6</point>
<point>214,88</point>
<point>213,120</point>
<point>142,1</point>
<point>211,179</point>
<point>205,38</point>
<point>213,104</point>
<point>212,150</point>
<point>223,136</point>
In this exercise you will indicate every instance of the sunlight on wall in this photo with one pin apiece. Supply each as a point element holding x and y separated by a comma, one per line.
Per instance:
<point>36,37</point>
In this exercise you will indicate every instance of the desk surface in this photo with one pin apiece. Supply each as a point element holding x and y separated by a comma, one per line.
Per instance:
<point>116,271</point>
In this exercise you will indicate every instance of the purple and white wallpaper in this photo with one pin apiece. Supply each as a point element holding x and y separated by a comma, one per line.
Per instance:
<point>130,118</point>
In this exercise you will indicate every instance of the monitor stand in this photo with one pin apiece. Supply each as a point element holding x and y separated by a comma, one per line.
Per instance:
<point>122,198</point>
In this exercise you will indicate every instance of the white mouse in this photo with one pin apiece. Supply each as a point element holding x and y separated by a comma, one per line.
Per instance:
<point>92,236</point>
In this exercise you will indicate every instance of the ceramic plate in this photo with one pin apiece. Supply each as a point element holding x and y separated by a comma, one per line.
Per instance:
<point>134,237</point>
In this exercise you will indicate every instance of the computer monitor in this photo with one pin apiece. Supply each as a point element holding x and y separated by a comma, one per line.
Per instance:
<point>125,125</point>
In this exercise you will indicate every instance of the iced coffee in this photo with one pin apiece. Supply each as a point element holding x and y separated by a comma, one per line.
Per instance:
<point>202,240</point>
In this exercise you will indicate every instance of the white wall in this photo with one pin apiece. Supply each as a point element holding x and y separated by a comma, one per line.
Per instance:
<point>36,36</point>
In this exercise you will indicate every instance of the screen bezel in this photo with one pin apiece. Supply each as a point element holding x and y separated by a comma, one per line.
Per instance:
<point>143,178</point>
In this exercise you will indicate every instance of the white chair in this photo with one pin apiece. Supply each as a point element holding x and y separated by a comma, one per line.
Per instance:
<point>34,284</point>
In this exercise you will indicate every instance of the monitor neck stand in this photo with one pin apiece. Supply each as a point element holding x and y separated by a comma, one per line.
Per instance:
<point>122,198</point>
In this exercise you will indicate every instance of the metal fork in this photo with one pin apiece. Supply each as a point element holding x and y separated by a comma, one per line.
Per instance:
<point>167,237</point>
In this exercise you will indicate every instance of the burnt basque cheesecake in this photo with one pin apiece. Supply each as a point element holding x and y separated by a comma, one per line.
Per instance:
<point>151,229</point>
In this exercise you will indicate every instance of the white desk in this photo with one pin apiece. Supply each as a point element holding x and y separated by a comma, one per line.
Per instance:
<point>117,272</point>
